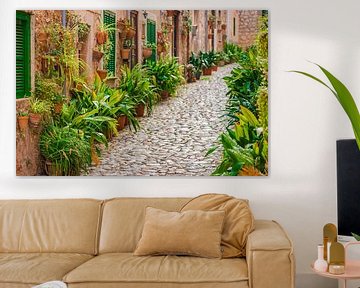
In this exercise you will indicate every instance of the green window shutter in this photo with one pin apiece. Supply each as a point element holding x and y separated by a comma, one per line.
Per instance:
<point>110,19</point>
<point>23,80</point>
<point>151,36</point>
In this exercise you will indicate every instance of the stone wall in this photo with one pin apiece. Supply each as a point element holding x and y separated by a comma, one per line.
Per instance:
<point>28,160</point>
<point>248,26</point>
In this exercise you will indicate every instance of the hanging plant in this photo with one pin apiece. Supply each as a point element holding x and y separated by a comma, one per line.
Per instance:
<point>212,20</point>
<point>83,31</point>
<point>187,24</point>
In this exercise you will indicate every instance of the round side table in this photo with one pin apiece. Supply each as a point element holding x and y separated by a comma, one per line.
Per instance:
<point>352,269</point>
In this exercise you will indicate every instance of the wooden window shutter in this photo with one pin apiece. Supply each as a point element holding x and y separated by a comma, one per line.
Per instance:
<point>110,19</point>
<point>23,76</point>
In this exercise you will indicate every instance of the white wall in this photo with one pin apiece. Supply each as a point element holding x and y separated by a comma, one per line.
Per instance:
<point>305,120</point>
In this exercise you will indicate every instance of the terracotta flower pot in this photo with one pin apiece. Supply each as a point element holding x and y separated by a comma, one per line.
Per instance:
<point>126,121</point>
<point>197,75</point>
<point>58,107</point>
<point>101,37</point>
<point>121,121</point>
<point>140,110</point>
<point>214,68</point>
<point>130,33</point>
<point>147,52</point>
<point>42,36</point>
<point>51,169</point>
<point>121,26</point>
<point>207,71</point>
<point>170,13</point>
<point>125,52</point>
<point>97,55</point>
<point>223,26</point>
<point>160,48</point>
<point>102,74</point>
<point>23,122</point>
<point>35,119</point>
<point>164,94</point>
<point>210,36</point>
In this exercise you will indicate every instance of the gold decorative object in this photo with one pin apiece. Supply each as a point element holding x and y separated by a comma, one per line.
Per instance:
<point>337,258</point>
<point>330,236</point>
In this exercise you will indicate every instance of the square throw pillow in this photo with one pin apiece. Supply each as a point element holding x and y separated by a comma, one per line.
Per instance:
<point>238,223</point>
<point>193,232</point>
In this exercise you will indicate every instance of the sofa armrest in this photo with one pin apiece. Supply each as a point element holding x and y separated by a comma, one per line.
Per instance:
<point>269,256</point>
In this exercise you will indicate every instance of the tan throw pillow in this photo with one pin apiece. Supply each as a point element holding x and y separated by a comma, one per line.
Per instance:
<point>239,220</point>
<point>196,233</point>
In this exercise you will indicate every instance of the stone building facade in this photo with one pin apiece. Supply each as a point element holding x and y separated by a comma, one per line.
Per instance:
<point>183,32</point>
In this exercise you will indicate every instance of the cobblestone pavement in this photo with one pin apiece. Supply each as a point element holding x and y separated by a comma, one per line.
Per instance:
<point>172,141</point>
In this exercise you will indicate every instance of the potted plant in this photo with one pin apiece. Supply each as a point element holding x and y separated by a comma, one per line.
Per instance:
<point>125,52</point>
<point>83,30</point>
<point>37,109</point>
<point>42,36</point>
<point>130,31</point>
<point>121,24</point>
<point>186,25</point>
<point>58,103</point>
<point>102,34</point>
<point>102,73</point>
<point>223,26</point>
<point>190,73</point>
<point>97,55</point>
<point>170,13</point>
<point>206,63</point>
<point>66,151</point>
<point>148,49</point>
<point>167,74</point>
<point>211,20</point>
<point>23,120</point>
<point>196,62</point>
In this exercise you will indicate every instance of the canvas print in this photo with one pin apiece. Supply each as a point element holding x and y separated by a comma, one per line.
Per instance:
<point>142,93</point>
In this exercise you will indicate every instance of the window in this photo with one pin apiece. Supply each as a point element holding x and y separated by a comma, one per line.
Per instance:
<point>234,26</point>
<point>110,19</point>
<point>23,80</point>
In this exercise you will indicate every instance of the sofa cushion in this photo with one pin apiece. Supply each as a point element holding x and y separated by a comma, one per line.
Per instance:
<point>238,223</point>
<point>193,232</point>
<point>62,226</point>
<point>126,268</point>
<point>36,268</point>
<point>123,220</point>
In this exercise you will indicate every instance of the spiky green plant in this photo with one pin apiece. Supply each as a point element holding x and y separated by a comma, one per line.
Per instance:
<point>344,97</point>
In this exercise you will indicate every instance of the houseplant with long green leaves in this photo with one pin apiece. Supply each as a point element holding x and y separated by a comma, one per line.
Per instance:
<point>344,97</point>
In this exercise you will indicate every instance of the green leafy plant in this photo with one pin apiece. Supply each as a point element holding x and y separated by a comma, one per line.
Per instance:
<point>166,74</point>
<point>138,86</point>
<point>344,97</point>
<point>196,62</point>
<point>83,30</point>
<point>150,45</point>
<point>356,236</point>
<point>67,150</point>
<point>38,106</point>
<point>49,89</point>
<point>245,148</point>
<point>23,113</point>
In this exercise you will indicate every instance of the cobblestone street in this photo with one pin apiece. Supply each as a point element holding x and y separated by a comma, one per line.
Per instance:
<point>172,141</point>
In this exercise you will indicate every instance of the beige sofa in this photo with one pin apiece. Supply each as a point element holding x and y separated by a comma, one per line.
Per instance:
<point>89,243</point>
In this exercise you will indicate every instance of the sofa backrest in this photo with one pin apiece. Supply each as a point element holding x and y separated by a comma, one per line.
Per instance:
<point>64,226</point>
<point>123,220</point>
